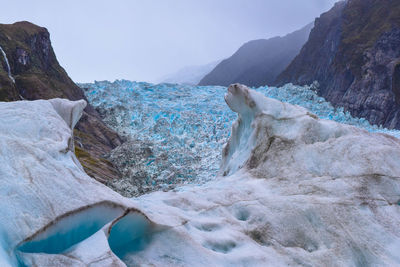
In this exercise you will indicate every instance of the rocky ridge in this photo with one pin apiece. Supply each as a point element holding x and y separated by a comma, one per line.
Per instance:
<point>258,62</point>
<point>353,53</point>
<point>29,70</point>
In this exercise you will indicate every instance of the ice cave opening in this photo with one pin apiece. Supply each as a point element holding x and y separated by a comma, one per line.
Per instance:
<point>129,234</point>
<point>72,228</point>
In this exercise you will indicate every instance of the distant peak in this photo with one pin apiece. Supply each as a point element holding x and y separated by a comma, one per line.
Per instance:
<point>26,26</point>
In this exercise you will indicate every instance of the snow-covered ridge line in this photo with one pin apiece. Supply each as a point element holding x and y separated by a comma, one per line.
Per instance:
<point>7,64</point>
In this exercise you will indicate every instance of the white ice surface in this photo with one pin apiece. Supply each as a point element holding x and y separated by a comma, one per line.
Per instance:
<point>41,181</point>
<point>298,191</point>
<point>185,127</point>
<point>301,191</point>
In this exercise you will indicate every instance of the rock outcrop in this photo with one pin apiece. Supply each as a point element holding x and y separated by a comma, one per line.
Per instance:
<point>258,62</point>
<point>29,70</point>
<point>353,53</point>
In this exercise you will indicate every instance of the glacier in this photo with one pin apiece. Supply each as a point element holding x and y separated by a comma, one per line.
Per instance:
<point>293,190</point>
<point>48,204</point>
<point>177,132</point>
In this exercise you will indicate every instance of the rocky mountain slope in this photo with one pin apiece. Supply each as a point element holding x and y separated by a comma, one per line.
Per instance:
<point>353,52</point>
<point>29,70</point>
<point>297,191</point>
<point>258,62</point>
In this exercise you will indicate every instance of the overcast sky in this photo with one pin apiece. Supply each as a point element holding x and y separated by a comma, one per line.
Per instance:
<point>146,39</point>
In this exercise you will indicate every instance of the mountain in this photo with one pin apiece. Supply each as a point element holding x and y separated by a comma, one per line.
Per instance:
<point>29,70</point>
<point>190,75</point>
<point>258,62</point>
<point>353,52</point>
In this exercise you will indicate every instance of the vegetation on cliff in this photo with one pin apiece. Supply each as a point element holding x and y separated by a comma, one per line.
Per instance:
<point>353,52</point>
<point>364,22</point>
<point>38,75</point>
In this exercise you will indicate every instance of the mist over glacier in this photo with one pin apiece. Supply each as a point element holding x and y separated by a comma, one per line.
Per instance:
<point>177,132</point>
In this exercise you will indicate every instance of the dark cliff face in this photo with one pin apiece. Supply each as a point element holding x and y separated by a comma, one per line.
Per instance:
<point>38,75</point>
<point>258,62</point>
<point>354,53</point>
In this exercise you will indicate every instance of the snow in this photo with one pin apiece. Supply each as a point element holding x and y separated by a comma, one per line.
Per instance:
<point>185,128</point>
<point>267,125</point>
<point>298,191</point>
<point>48,204</point>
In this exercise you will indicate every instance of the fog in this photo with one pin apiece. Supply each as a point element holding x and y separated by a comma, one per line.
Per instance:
<point>145,40</point>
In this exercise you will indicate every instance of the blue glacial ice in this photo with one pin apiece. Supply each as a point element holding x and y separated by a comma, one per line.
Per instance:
<point>189,124</point>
